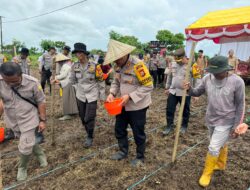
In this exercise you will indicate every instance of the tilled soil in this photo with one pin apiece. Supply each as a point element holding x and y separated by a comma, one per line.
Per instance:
<point>73,167</point>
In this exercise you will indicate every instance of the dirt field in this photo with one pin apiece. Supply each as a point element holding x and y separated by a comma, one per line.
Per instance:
<point>73,167</point>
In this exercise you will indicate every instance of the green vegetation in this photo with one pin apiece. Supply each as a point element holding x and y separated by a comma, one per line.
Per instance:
<point>173,41</point>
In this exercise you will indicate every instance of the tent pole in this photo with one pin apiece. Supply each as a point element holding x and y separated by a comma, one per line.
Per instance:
<point>179,122</point>
<point>220,49</point>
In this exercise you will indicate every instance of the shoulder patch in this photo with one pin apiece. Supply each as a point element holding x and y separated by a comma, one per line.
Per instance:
<point>143,74</point>
<point>91,67</point>
<point>99,72</point>
<point>196,71</point>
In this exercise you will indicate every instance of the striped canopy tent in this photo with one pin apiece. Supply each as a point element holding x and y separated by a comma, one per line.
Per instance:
<point>230,28</point>
<point>231,23</point>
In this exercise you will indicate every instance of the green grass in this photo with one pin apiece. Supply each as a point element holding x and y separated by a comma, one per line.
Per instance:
<point>33,59</point>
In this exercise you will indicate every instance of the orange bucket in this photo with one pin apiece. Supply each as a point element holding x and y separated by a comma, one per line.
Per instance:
<point>1,134</point>
<point>115,107</point>
<point>105,76</point>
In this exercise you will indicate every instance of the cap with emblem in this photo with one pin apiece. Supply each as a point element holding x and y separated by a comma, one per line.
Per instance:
<point>218,64</point>
<point>117,50</point>
<point>179,54</point>
<point>61,57</point>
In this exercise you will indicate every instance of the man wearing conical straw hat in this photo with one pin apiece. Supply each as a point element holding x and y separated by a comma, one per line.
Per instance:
<point>134,83</point>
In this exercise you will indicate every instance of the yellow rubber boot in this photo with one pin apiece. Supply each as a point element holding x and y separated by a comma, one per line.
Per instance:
<point>208,170</point>
<point>222,160</point>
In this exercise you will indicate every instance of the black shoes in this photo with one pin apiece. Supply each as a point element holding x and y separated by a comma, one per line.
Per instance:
<point>137,162</point>
<point>183,129</point>
<point>88,143</point>
<point>168,129</point>
<point>119,156</point>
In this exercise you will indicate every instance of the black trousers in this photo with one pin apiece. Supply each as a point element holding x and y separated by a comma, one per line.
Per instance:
<point>160,73</point>
<point>137,121</point>
<point>45,77</point>
<point>108,81</point>
<point>87,113</point>
<point>172,101</point>
<point>154,75</point>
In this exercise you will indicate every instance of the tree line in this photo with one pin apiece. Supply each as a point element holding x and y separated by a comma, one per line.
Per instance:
<point>172,41</point>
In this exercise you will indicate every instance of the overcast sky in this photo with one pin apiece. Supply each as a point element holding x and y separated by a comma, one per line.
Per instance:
<point>90,22</point>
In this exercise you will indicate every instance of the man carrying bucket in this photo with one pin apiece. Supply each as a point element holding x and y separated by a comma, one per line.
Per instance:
<point>90,87</point>
<point>134,83</point>
<point>225,112</point>
<point>24,110</point>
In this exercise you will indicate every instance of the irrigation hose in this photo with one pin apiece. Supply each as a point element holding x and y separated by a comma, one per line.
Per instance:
<point>66,165</point>
<point>165,165</point>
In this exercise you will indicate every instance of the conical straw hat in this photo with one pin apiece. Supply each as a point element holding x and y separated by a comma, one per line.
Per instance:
<point>61,57</point>
<point>117,50</point>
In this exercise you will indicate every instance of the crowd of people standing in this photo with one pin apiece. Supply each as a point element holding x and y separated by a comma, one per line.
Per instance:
<point>84,83</point>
